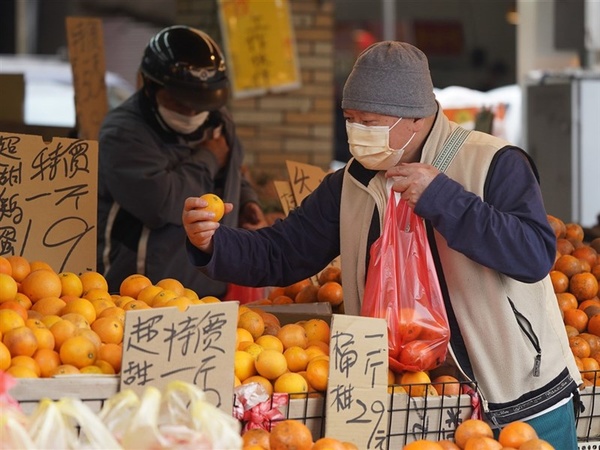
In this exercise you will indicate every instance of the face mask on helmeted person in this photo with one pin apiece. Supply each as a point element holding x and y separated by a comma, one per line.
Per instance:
<point>190,66</point>
<point>370,145</point>
<point>180,122</point>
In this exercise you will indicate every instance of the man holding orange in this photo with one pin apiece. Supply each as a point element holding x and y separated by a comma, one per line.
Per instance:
<point>174,138</point>
<point>483,210</point>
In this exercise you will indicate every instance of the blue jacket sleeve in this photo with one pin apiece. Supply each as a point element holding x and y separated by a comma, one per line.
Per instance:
<point>290,250</point>
<point>507,230</point>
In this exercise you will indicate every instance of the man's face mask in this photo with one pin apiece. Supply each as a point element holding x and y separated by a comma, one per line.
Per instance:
<point>181,123</point>
<point>371,145</point>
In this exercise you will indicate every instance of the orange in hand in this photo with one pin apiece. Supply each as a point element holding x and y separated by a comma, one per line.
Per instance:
<point>215,204</point>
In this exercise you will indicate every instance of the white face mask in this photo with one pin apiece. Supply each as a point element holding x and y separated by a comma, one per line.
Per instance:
<point>371,145</point>
<point>181,123</point>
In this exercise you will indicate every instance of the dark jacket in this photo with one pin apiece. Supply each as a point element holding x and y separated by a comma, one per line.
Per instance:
<point>145,174</point>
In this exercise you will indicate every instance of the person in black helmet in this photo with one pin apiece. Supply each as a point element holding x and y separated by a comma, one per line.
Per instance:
<point>172,139</point>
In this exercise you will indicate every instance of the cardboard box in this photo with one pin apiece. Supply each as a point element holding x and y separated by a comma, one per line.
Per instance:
<point>93,390</point>
<point>295,312</point>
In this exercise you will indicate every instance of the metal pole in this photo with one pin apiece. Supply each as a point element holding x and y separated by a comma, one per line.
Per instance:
<point>388,8</point>
<point>26,13</point>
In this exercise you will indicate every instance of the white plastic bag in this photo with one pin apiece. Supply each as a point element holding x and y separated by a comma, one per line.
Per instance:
<point>55,424</point>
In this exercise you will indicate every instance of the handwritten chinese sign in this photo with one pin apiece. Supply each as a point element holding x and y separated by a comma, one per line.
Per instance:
<point>357,398</point>
<point>286,196</point>
<point>304,179</point>
<point>86,53</point>
<point>48,200</point>
<point>197,346</point>
<point>260,46</point>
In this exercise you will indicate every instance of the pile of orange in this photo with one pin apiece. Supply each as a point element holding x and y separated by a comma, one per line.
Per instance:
<point>474,434</point>
<point>290,434</point>
<point>326,288</point>
<point>292,358</point>
<point>64,323</point>
<point>575,279</point>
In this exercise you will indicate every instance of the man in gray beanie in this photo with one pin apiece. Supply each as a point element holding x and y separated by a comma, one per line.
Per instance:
<point>480,199</point>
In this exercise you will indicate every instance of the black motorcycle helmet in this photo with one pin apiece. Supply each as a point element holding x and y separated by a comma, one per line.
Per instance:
<point>189,65</point>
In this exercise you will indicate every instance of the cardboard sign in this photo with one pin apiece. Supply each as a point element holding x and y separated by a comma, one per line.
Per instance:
<point>49,200</point>
<point>165,344</point>
<point>86,53</point>
<point>357,398</point>
<point>286,196</point>
<point>304,179</point>
<point>260,46</point>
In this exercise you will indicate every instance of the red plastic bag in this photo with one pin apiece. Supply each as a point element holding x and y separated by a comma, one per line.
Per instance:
<point>402,287</point>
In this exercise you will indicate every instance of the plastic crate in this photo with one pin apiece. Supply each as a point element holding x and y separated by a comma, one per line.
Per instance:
<point>588,419</point>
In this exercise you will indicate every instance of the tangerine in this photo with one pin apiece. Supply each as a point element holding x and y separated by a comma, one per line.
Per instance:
<point>516,434</point>
<point>270,342</point>
<point>47,360</point>
<point>270,364</point>
<point>327,443</point>
<point>8,288</point>
<point>293,289</point>
<point>109,329</point>
<point>331,292</point>
<point>558,226</point>
<point>48,306</point>
<point>593,325</point>
<point>422,444</point>
<point>560,282</point>
<point>308,294</point>
<point>71,284</point>
<point>446,385</point>
<point>297,358</point>
<point>256,436</point>
<point>93,280</point>
<point>112,354</point>
<point>78,351</point>
<point>81,306</point>
<point>65,369</point>
<point>566,300</point>
<point>4,357</point>
<point>291,383</point>
<point>148,293</point>
<point>172,284</point>
<point>568,264</point>
<point>20,267</point>
<point>317,374</point>
<point>266,384</point>
<point>9,320</point>
<point>252,322</point>
<point>470,428</point>
<point>41,283</point>
<point>579,347</point>
<point>583,286</point>
<point>290,434</point>
<point>5,266</point>
<point>292,334</point>
<point>215,205</point>
<point>564,247</point>
<point>243,365</point>
<point>415,383</point>
<point>574,232</point>
<point>20,341</point>
<point>536,444</point>
<point>482,443</point>
<point>330,273</point>
<point>16,307</point>
<point>317,330</point>
<point>576,318</point>
<point>132,285</point>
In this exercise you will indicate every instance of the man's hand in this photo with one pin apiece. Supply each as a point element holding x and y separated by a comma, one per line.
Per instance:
<point>411,180</point>
<point>199,223</point>
<point>252,217</point>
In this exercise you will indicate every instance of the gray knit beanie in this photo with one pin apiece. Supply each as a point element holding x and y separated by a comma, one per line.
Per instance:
<point>391,78</point>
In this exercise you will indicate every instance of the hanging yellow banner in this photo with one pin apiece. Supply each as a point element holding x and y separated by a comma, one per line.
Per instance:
<point>259,45</point>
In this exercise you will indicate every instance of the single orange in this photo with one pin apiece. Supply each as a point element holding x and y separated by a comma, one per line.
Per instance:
<point>96,293</point>
<point>112,354</point>
<point>576,318</point>
<point>243,365</point>
<point>265,383</point>
<point>291,383</point>
<point>293,334</point>
<point>583,285</point>
<point>446,385</point>
<point>21,372</point>
<point>20,341</point>
<point>590,368</point>
<point>415,383</point>
<point>317,374</point>
<point>270,364</point>
<point>252,322</point>
<point>44,338</point>
<point>289,434</point>
<point>113,311</point>
<point>105,367</point>
<point>275,292</point>
<point>422,444</point>
<point>49,306</point>
<point>71,284</point>
<point>586,253</point>
<point>293,289</point>
<point>135,305</point>
<point>482,443</point>
<point>317,330</point>
<point>568,264</point>
<point>90,335</point>
<point>579,346</point>
<point>536,444</point>
<point>172,284</point>
<point>93,280</point>
<point>470,428</point>
<point>516,434</point>
<point>297,358</point>
<point>181,302</point>
<point>215,205</point>
<point>10,319</point>
<point>147,294</point>
<point>256,436</point>
<point>282,300</point>
<point>15,306</point>
<point>308,294</point>
<point>8,288</point>
<point>82,307</point>
<point>78,351</point>
<point>100,304</point>
<point>41,283</point>
<point>20,267</point>
<point>331,292</point>
<point>133,284</point>
<point>330,273</point>
<point>270,342</point>
<point>110,329</point>
<point>327,443</point>
<point>23,300</point>
<point>5,357</point>
<point>48,360</point>
<point>62,330</point>
<point>5,266</point>
<point>65,369</point>
<point>560,282</point>
<point>559,227</point>
<point>593,325</point>
<point>574,232</point>
<point>564,247</point>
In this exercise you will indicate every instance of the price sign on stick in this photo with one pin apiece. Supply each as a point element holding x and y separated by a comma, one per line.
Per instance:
<point>49,200</point>
<point>86,53</point>
<point>357,408</point>
<point>197,345</point>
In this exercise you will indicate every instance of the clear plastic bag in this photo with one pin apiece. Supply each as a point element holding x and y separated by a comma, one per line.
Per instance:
<point>402,287</point>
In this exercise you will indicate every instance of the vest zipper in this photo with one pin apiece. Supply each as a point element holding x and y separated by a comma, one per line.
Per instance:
<point>526,328</point>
